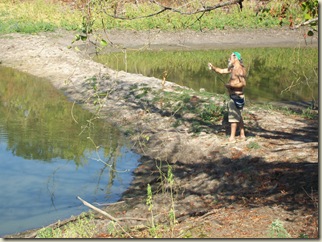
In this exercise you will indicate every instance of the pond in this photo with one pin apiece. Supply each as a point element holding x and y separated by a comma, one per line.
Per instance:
<point>52,151</point>
<point>273,74</point>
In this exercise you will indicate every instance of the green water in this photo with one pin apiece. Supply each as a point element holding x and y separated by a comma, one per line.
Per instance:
<point>274,74</point>
<point>37,118</point>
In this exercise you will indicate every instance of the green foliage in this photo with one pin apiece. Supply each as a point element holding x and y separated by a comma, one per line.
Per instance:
<point>149,199</point>
<point>216,19</point>
<point>288,73</point>
<point>170,181</point>
<point>98,96</point>
<point>277,230</point>
<point>40,15</point>
<point>149,202</point>
<point>303,236</point>
<point>211,112</point>
<point>202,113</point>
<point>309,114</point>
<point>253,145</point>
<point>111,228</point>
<point>310,9</point>
<point>27,27</point>
<point>143,92</point>
<point>83,227</point>
<point>45,233</point>
<point>36,16</point>
<point>170,177</point>
<point>196,127</point>
<point>166,180</point>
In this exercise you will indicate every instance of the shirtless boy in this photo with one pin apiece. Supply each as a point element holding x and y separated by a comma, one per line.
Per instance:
<point>235,88</point>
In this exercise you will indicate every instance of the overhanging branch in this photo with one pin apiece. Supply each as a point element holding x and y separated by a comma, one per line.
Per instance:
<point>315,20</point>
<point>176,10</point>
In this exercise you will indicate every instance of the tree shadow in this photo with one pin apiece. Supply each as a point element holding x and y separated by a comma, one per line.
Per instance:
<point>253,182</point>
<point>307,133</point>
<point>248,180</point>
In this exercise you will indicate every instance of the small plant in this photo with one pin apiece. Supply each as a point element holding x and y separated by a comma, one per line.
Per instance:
<point>149,202</point>
<point>211,112</point>
<point>170,180</point>
<point>46,233</point>
<point>111,228</point>
<point>195,127</point>
<point>307,113</point>
<point>277,230</point>
<point>177,123</point>
<point>253,145</point>
<point>303,236</point>
<point>142,92</point>
<point>83,227</point>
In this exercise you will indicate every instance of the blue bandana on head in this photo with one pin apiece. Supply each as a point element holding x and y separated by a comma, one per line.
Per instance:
<point>238,55</point>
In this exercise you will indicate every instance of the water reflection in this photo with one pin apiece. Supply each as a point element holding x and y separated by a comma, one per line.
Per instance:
<point>47,159</point>
<point>274,74</point>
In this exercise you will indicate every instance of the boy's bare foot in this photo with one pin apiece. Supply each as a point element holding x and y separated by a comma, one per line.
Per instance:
<point>231,140</point>
<point>242,138</point>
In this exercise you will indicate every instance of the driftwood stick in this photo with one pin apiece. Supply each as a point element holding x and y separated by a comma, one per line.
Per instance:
<point>108,204</point>
<point>97,209</point>
<point>104,213</point>
<point>108,215</point>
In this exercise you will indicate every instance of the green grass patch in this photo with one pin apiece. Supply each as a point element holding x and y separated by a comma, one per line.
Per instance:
<point>270,75</point>
<point>83,227</point>
<point>36,16</point>
<point>277,230</point>
<point>41,15</point>
<point>253,145</point>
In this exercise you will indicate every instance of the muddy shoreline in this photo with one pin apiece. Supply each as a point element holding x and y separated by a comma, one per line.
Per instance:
<point>204,170</point>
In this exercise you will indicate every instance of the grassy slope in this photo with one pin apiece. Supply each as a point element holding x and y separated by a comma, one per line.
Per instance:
<point>42,15</point>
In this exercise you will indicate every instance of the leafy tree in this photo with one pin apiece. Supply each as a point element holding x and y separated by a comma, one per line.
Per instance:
<point>310,10</point>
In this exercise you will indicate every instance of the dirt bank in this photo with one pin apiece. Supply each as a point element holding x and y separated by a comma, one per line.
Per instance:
<point>230,191</point>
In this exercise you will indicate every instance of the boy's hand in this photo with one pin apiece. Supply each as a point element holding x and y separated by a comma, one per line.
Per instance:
<point>210,66</point>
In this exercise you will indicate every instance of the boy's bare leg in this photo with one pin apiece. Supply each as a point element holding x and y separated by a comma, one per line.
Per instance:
<point>242,130</point>
<point>233,128</point>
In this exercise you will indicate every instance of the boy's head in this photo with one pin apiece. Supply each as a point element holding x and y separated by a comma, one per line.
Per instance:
<point>235,56</point>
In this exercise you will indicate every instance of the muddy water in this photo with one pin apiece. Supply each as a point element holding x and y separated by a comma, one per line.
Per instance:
<point>274,74</point>
<point>52,151</point>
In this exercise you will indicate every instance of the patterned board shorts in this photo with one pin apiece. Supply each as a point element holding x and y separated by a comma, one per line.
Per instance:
<point>234,114</point>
